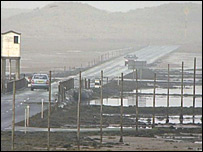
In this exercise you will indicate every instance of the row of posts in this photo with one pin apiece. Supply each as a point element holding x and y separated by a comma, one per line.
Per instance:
<point>101,108</point>
<point>137,116</point>
<point>86,83</point>
<point>101,58</point>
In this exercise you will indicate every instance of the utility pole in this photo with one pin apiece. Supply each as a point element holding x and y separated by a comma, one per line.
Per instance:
<point>101,110</point>
<point>121,118</point>
<point>153,120</point>
<point>49,111</point>
<point>181,110</point>
<point>78,112</point>
<point>136,101</point>
<point>194,91</point>
<point>167,117</point>
<point>13,122</point>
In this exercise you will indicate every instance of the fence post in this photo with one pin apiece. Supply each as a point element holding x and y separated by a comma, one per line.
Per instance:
<point>59,93</point>
<point>153,120</point>
<point>88,85</point>
<point>13,121</point>
<point>85,83</point>
<point>167,117</point>
<point>134,74</point>
<point>42,110</point>
<point>136,101</point>
<point>28,115</point>
<point>64,93</point>
<point>78,112</point>
<point>193,120</point>
<point>10,69</point>
<point>3,75</point>
<point>49,111</point>
<point>121,117</point>
<point>101,112</point>
<point>181,111</point>
<point>25,119</point>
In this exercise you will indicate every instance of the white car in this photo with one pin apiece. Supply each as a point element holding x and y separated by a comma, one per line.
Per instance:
<point>40,81</point>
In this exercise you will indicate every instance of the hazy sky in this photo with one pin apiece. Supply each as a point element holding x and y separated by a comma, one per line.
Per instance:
<point>112,6</point>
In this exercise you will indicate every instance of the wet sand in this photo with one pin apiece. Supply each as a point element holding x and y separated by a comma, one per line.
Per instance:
<point>149,144</point>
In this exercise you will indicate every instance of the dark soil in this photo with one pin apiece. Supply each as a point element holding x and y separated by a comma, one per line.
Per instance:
<point>90,115</point>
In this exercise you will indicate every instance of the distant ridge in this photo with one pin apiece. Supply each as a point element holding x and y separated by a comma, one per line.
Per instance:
<point>77,21</point>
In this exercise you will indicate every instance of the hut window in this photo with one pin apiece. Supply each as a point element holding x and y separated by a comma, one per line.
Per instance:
<point>16,39</point>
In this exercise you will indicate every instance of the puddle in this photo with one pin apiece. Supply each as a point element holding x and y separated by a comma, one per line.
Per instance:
<point>147,101</point>
<point>172,119</point>
<point>198,142</point>
<point>175,138</point>
<point>177,90</point>
<point>161,100</point>
<point>187,119</point>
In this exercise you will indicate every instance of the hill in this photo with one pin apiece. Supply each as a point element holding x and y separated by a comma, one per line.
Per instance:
<point>59,27</point>
<point>81,21</point>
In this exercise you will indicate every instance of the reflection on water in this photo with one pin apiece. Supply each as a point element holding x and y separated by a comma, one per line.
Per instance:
<point>147,101</point>
<point>172,119</point>
<point>177,90</point>
<point>161,100</point>
<point>187,119</point>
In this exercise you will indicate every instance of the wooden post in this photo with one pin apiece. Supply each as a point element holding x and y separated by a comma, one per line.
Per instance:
<point>18,69</point>
<point>167,117</point>
<point>193,120</point>
<point>64,93</point>
<point>181,110</point>
<point>121,117</point>
<point>42,110</point>
<point>140,74</point>
<point>78,112</point>
<point>136,101</point>
<point>25,119</point>
<point>88,83</point>
<point>59,93</point>
<point>82,85</point>
<point>13,121</point>
<point>153,120</point>
<point>85,83</point>
<point>101,112</point>
<point>28,115</point>
<point>49,111</point>
<point>134,74</point>
<point>10,69</point>
<point>3,74</point>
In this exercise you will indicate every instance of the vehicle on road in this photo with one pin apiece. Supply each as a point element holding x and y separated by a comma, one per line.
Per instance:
<point>130,57</point>
<point>97,83</point>
<point>40,81</point>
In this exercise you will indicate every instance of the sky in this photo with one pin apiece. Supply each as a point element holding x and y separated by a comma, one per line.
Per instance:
<point>112,6</point>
